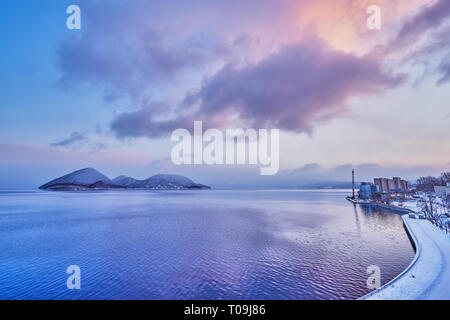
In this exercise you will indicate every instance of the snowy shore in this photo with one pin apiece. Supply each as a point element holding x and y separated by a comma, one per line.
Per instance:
<point>428,275</point>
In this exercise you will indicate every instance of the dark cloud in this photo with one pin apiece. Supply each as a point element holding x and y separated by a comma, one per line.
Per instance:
<point>141,123</point>
<point>444,70</point>
<point>294,89</point>
<point>430,17</point>
<point>128,48</point>
<point>121,68</point>
<point>74,140</point>
<point>429,24</point>
<point>77,140</point>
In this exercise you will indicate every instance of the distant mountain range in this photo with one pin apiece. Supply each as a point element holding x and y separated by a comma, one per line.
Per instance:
<point>327,185</point>
<point>91,179</point>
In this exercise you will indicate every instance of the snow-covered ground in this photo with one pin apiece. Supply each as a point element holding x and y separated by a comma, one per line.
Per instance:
<point>428,276</point>
<point>411,204</point>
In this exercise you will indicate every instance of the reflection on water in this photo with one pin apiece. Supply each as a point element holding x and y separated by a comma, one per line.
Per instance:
<point>195,245</point>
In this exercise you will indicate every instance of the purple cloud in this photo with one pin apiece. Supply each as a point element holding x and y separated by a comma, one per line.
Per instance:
<point>430,17</point>
<point>75,139</point>
<point>125,49</point>
<point>432,22</point>
<point>444,70</point>
<point>140,123</point>
<point>294,89</point>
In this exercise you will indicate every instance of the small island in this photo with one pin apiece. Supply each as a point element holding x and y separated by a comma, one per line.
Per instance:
<point>91,179</point>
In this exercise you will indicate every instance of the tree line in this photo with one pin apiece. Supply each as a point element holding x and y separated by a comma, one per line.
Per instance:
<point>428,183</point>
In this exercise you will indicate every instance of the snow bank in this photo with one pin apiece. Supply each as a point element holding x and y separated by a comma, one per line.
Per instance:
<point>427,277</point>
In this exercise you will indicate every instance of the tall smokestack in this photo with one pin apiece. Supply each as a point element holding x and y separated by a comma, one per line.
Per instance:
<point>353,183</point>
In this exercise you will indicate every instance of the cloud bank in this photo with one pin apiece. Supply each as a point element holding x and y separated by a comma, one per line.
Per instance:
<point>299,86</point>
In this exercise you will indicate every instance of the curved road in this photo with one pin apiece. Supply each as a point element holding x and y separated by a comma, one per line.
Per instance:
<point>428,275</point>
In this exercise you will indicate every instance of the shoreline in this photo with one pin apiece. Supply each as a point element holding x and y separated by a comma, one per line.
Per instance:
<point>426,277</point>
<point>380,206</point>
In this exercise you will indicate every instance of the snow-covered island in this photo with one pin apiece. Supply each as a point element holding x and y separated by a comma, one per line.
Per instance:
<point>91,179</point>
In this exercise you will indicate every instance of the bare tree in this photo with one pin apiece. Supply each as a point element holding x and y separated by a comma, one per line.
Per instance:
<point>445,177</point>
<point>427,184</point>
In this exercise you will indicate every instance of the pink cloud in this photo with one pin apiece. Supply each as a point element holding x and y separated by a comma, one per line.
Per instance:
<point>294,89</point>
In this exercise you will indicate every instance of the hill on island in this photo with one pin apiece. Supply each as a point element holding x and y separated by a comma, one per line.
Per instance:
<point>91,179</point>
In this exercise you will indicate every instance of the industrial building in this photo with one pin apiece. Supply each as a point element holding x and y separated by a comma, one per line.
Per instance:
<point>395,184</point>
<point>368,190</point>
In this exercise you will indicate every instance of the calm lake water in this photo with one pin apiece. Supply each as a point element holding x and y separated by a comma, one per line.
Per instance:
<point>195,245</point>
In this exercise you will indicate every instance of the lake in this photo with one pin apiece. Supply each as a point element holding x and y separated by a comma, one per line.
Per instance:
<point>205,244</point>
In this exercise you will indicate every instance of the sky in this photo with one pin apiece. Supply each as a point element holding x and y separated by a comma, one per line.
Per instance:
<point>109,95</point>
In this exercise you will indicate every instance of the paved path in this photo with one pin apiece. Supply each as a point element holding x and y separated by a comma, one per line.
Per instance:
<point>428,275</point>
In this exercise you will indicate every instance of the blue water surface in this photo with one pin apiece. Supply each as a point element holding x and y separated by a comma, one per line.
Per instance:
<point>205,244</point>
